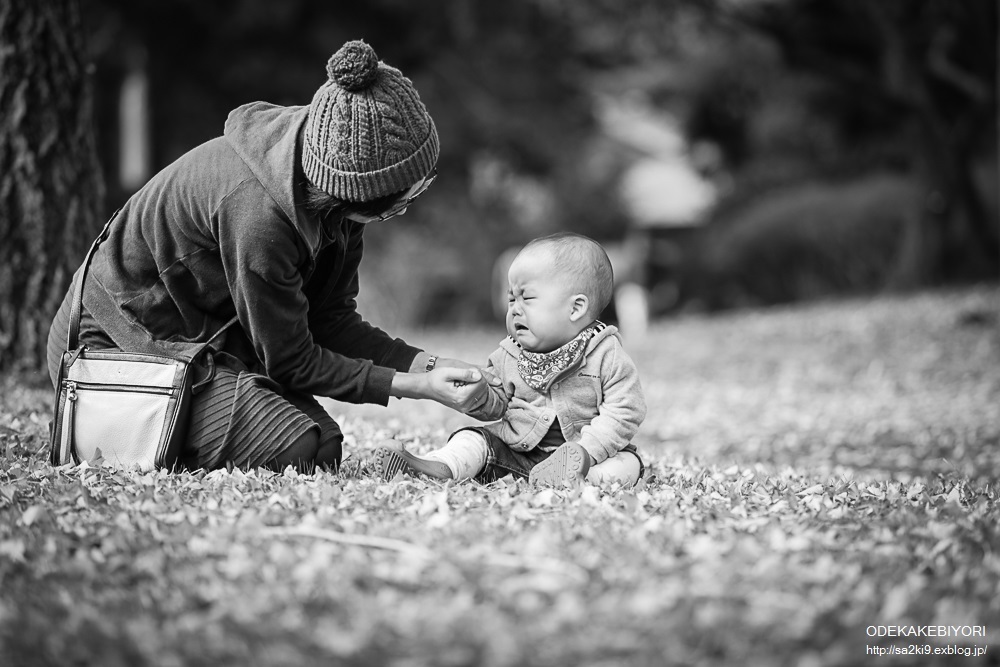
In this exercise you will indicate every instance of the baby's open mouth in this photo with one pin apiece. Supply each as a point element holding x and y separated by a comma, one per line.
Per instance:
<point>520,327</point>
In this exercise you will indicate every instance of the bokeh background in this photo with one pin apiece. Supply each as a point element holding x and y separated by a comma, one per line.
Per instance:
<point>729,153</point>
<point>815,469</point>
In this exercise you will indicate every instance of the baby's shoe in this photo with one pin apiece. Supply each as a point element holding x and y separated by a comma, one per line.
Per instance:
<point>391,457</point>
<point>569,463</point>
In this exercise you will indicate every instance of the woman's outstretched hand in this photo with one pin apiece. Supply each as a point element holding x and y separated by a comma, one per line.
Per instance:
<point>458,363</point>
<point>461,389</point>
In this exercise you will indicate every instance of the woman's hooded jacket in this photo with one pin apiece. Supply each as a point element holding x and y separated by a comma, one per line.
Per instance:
<point>222,231</point>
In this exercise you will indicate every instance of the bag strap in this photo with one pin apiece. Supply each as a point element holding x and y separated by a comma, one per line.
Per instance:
<point>73,335</point>
<point>76,308</point>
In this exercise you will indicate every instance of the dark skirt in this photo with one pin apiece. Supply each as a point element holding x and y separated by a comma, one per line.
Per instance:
<point>237,417</point>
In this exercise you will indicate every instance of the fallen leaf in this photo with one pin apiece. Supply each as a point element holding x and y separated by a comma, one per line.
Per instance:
<point>9,492</point>
<point>34,514</point>
<point>13,549</point>
<point>543,498</point>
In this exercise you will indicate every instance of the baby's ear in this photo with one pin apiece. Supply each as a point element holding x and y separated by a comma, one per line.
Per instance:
<point>581,304</point>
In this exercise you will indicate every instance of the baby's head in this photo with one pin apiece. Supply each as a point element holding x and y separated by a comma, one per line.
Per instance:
<point>559,285</point>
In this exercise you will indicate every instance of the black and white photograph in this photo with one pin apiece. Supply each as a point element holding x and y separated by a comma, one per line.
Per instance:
<point>466,333</point>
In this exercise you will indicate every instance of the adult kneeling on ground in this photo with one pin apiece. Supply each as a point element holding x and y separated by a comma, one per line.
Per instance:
<point>266,223</point>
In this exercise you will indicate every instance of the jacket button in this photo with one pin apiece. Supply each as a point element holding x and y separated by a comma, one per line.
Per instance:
<point>555,386</point>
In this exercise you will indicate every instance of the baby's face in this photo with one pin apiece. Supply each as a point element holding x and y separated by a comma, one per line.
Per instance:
<point>539,304</point>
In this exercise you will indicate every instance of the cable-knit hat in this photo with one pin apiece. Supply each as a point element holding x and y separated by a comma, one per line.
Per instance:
<point>368,134</point>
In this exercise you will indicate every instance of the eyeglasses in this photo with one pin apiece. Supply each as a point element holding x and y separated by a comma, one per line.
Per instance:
<point>400,205</point>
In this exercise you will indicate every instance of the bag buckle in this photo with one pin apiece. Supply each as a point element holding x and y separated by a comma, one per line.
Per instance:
<point>74,355</point>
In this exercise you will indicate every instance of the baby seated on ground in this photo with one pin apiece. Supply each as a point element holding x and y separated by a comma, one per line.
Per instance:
<point>569,402</point>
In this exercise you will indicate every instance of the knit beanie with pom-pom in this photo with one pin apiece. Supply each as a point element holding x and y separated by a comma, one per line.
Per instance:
<point>368,134</point>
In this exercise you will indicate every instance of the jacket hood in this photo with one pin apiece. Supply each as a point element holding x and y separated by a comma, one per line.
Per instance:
<point>514,350</point>
<point>264,136</point>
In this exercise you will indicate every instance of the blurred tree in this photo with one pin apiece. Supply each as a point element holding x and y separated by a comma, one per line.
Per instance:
<point>920,71</point>
<point>798,91</point>
<point>487,72</point>
<point>50,183</point>
<point>500,79</point>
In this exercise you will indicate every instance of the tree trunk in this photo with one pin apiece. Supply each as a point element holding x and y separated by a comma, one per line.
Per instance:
<point>50,182</point>
<point>912,67</point>
<point>960,246</point>
<point>966,246</point>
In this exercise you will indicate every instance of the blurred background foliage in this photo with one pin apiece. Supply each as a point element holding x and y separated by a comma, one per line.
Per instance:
<point>729,152</point>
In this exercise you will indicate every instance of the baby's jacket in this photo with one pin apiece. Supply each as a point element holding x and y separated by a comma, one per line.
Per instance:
<point>599,401</point>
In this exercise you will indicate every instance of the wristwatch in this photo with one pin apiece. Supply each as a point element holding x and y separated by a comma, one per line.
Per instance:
<point>431,362</point>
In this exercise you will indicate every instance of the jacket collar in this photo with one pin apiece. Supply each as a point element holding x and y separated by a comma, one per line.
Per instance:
<point>265,137</point>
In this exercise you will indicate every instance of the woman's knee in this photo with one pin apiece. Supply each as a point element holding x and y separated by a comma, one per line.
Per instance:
<point>301,453</point>
<point>330,450</point>
<point>330,447</point>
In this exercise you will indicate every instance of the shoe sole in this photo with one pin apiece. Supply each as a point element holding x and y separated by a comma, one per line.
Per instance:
<point>569,463</point>
<point>390,462</point>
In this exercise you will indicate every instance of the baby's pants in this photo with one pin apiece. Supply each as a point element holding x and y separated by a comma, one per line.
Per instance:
<point>475,453</point>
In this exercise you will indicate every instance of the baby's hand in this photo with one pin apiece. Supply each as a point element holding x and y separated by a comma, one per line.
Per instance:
<point>517,403</point>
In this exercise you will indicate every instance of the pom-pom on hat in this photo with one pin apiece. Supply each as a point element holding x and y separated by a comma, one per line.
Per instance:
<point>368,134</point>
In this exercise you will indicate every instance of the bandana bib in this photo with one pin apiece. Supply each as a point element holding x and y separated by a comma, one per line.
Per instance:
<point>539,369</point>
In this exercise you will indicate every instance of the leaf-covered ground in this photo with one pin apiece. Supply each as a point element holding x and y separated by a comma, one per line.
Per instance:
<point>814,471</point>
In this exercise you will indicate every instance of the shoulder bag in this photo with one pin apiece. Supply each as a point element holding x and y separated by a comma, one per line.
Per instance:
<point>127,408</point>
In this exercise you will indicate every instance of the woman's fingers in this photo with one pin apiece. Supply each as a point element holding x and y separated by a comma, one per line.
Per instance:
<point>491,378</point>
<point>458,363</point>
<point>465,387</point>
<point>461,375</point>
<point>458,388</point>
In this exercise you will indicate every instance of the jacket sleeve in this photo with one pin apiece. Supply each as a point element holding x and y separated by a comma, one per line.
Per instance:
<point>497,398</point>
<point>336,324</point>
<point>262,257</point>
<point>621,411</point>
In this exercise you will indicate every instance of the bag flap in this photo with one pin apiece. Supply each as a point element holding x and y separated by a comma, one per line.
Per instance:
<point>124,371</point>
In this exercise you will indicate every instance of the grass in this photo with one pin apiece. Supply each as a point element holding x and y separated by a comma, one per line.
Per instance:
<point>814,471</point>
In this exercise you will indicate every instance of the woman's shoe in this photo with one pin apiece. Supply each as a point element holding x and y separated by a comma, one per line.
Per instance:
<point>391,458</point>
<point>569,463</point>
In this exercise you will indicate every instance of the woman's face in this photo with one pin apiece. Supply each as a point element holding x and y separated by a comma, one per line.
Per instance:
<point>539,303</point>
<point>400,205</point>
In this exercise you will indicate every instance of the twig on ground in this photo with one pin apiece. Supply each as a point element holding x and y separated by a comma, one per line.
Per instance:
<point>367,541</point>
<point>549,565</point>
